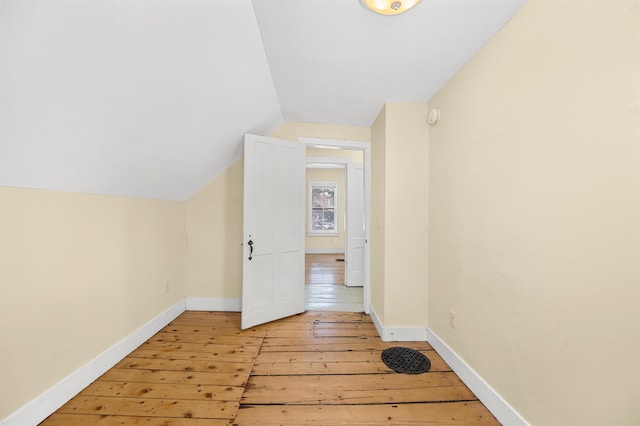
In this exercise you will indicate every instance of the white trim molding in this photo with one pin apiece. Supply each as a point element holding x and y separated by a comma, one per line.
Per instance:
<point>397,334</point>
<point>55,397</point>
<point>505,414</point>
<point>213,304</point>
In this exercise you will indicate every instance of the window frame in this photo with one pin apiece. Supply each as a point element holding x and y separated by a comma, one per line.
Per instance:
<point>320,233</point>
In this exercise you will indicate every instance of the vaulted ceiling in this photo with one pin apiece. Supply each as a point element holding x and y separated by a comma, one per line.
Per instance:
<point>152,98</point>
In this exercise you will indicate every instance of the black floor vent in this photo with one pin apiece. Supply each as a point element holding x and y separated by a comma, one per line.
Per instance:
<point>406,360</point>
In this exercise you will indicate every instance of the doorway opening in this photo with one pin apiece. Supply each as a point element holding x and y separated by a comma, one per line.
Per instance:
<point>336,233</point>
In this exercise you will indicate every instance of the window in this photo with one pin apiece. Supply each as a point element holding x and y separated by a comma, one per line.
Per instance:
<point>323,208</point>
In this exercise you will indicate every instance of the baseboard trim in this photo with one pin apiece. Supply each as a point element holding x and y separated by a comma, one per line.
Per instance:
<point>505,414</point>
<point>55,397</point>
<point>213,304</point>
<point>397,334</point>
<point>376,321</point>
<point>323,251</point>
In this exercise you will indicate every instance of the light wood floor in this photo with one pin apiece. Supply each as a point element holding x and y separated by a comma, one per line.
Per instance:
<point>324,269</point>
<point>325,288</point>
<point>317,368</point>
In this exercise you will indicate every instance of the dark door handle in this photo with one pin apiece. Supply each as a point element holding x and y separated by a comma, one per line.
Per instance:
<point>250,249</point>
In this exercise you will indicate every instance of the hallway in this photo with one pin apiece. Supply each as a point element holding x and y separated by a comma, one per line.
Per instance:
<point>324,285</point>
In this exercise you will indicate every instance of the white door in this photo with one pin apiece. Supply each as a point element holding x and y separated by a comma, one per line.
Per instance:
<point>273,229</point>
<point>355,225</point>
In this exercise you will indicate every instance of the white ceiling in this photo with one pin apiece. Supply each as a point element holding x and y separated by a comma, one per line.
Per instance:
<point>152,98</point>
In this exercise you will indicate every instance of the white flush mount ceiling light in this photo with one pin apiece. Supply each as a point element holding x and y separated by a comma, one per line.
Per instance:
<point>390,7</point>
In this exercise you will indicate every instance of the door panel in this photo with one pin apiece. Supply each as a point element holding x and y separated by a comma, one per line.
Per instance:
<point>273,221</point>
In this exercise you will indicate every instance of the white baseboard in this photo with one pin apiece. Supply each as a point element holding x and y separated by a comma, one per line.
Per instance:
<point>397,334</point>
<point>324,251</point>
<point>55,397</point>
<point>213,304</point>
<point>485,393</point>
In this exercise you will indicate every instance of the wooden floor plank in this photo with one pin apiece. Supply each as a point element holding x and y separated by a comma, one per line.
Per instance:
<point>213,354</point>
<point>342,356</point>
<point>208,329</point>
<point>310,339</point>
<point>60,419</point>
<point>326,329</point>
<point>164,391</point>
<point>324,268</point>
<point>206,366</point>
<point>214,349</point>
<point>206,338</point>
<point>353,330</point>
<point>353,389</point>
<point>331,368</point>
<point>333,344</point>
<point>151,376</point>
<point>343,325</point>
<point>432,414</point>
<point>350,362</point>
<point>150,407</point>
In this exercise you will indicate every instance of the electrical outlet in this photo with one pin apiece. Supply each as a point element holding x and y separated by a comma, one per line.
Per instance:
<point>452,318</point>
<point>167,286</point>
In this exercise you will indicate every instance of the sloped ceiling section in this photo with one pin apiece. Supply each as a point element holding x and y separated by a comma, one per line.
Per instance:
<point>141,98</point>
<point>334,61</point>
<point>152,98</point>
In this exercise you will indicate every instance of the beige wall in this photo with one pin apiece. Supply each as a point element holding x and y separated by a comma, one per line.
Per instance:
<point>333,243</point>
<point>214,237</point>
<point>78,273</point>
<point>406,202</point>
<point>534,214</point>
<point>399,215</point>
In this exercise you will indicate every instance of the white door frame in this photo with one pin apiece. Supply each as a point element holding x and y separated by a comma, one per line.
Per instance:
<point>365,147</point>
